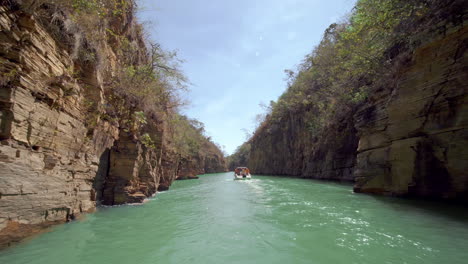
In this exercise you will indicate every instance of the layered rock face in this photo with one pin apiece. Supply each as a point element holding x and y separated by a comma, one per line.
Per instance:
<point>408,139</point>
<point>290,149</point>
<point>54,162</point>
<point>414,138</point>
<point>48,163</point>
<point>133,172</point>
<point>208,160</point>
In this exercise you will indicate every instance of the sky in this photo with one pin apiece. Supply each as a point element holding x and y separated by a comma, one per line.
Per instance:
<point>236,51</point>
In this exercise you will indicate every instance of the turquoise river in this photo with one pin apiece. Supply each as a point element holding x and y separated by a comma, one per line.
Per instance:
<point>264,220</point>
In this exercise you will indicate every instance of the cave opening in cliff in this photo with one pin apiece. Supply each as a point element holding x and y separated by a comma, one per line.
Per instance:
<point>101,176</point>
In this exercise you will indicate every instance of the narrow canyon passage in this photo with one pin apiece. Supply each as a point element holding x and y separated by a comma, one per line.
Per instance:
<point>264,220</point>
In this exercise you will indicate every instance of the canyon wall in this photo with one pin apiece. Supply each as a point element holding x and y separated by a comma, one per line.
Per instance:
<point>290,149</point>
<point>58,158</point>
<point>208,160</point>
<point>409,138</point>
<point>413,138</point>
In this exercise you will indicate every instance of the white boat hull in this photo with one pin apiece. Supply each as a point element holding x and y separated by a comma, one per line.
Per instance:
<point>242,177</point>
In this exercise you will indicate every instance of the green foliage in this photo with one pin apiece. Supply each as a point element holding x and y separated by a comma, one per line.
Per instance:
<point>86,5</point>
<point>240,157</point>
<point>140,117</point>
<point>352,57</point>
<point>8,71</point>
<point>154,86</point>
<point>187,135</point>
<point>141,81</point>
<point>148,141</point>
<point>101,8</point>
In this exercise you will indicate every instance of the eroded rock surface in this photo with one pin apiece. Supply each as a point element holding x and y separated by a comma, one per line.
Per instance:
<point>290,149</point>
<point>208,160</point>
<point>414,138</point>
<point>56,159</point>
<point>47,163</point>
<point>409,138</point>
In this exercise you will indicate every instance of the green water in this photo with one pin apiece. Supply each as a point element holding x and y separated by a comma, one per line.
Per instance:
<point>264,220</point>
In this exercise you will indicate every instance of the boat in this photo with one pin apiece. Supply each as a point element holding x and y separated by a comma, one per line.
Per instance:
<point>242,173</point>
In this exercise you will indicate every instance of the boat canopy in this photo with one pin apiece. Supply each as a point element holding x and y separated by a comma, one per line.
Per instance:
<point>242,170</point>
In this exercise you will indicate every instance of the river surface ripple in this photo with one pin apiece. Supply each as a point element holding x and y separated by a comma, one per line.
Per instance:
<point>264,220</point>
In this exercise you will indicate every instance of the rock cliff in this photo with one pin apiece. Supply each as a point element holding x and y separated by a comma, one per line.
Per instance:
<point>209,160</point>
<point>413,138</point>
<point>408,138</point>
<point>61,152</point>
<point>289,149</point>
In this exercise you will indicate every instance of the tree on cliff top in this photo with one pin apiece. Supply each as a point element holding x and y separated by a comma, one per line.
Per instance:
<point>142,82</point>
<point>240,157</point>
<point>352,57</point>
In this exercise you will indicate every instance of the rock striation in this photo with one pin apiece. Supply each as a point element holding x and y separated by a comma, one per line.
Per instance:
<point>290,149</point>
<point>47,162</point>
<point>409,138</point>
<point>56,163</point>
<point>413,138</point>
<point>209,160</point>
